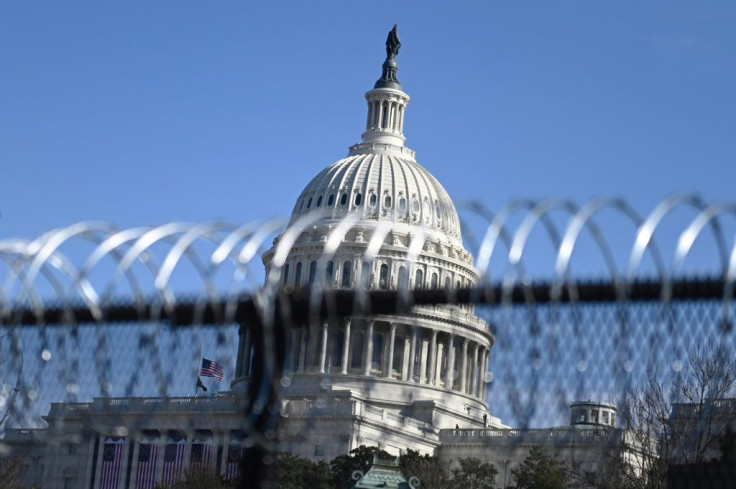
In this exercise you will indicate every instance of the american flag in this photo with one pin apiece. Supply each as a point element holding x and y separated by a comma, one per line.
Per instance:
<point>147,457</point>
<point>210,368</point>
<point>232,471</point>
<point>201,458</point>
<point>173,462</point>
<point>112,462</point>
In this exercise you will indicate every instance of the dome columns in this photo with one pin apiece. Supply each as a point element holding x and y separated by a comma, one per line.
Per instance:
<point>385,122</point>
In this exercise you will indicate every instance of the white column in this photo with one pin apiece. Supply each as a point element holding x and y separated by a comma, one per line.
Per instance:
<point>423,354</point>
<point>474,370</point>
<point>370,113</point>
<point>323,349</point>
<point>346,348</point>
<point>432,358</point>
<point>401,118</point>
<point>464,367</point>
<point>412,353</point>
<point>390,359</point>
<point>392,116</point>
<point>368,348</point>
<point>450,374</point>
<point>380,116</point>
<point>484,384</point>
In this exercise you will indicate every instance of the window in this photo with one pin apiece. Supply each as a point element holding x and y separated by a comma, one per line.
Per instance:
<point>613,419</point>
<point>403,278</point>
<point>358,199</point>
<point>372,200</point>
<point>387,201</point>
<point>68,482</point>
<point>71,448</point>
<point>343,199</point>
<point>301,206</point>
<point>329,272</point>
<point>448,283</point>
<point>356,352</point>
<point>402,204</point>
<point>419,279</point>
<point>319,450</point>
<point>383,277</point>
<point>312,272</point>
<point>415,205</point>
<point>594,415</point>
<point>434,281</point>
<point>330,200</point>
<point>604,414</point>
<point>298,276</point>
<point>365,275</point>
<point>319,201</point>
<point>309,203</point>
<point>377,351</point>
<point>286,274</point>
<point>346,268</point>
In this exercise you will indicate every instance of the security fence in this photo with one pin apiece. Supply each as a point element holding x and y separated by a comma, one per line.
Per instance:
<point>104,332</point>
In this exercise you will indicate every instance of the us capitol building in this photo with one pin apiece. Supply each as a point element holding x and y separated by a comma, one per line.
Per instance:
<point>410,381</point>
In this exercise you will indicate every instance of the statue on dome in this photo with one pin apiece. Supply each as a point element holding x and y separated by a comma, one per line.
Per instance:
<point>392,43</point>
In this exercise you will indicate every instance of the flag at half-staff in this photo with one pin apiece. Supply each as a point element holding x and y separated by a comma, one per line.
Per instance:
<point>210,368</point>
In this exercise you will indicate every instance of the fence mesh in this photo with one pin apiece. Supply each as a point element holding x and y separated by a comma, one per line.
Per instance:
<point>105,329</point>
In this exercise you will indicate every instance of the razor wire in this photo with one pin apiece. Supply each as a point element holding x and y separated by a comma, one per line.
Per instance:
<point>94,312</point>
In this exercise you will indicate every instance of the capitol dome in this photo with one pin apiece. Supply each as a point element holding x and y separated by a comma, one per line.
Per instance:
<point>378,220</point>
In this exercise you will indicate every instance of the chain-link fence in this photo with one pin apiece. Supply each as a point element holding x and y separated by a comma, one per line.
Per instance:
<point>143,352</point>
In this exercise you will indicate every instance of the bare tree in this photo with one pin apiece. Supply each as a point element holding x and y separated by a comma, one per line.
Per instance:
<point>682,423</point>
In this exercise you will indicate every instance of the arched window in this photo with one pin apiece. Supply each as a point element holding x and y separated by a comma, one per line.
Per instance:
<point>402,204</point>
<point>346,268</point>
<point>403,278</point>
<point>433,281</point>
<point>343,199</point>
<point>298,276</point>
<point>448,282</point>
<point>358,199</point>
<point>285,276</point>
<point>329,272</point>
<point>319,201</point>
<point>365,274</point>
<point>356,350</point>
<point>372,200</point>
<point>387,201</point>
<point>415,205</point>
<point>309,203</point>
<point>419,279</point>
<point>330,200</point>
<point>312,272</point>
<point>337,338</point>
<point>376,363</point>
<point>383,277</point>
<point>398,354</point>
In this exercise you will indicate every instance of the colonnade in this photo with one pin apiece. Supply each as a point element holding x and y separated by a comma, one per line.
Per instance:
<point>386,115</point>
<point>387,349</point>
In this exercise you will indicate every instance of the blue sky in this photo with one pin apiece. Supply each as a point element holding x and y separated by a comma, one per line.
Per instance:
<point>148,112</point>
<point>144,113</point>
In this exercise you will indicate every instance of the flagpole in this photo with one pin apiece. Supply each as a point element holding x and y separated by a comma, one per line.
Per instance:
<point>199,365</point>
